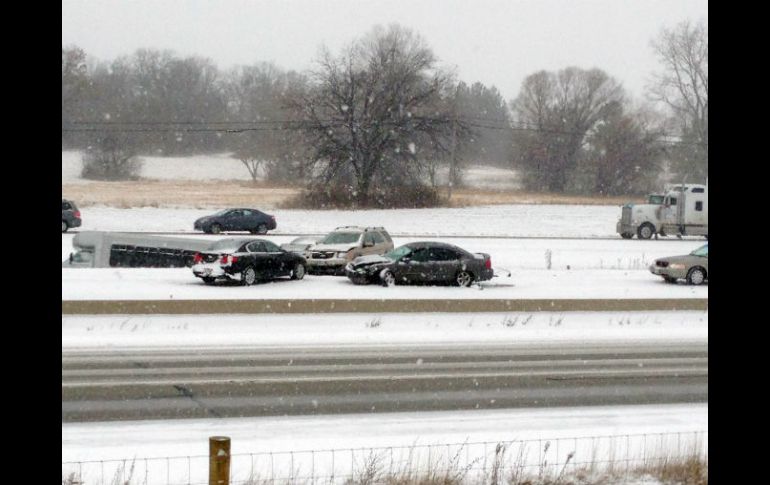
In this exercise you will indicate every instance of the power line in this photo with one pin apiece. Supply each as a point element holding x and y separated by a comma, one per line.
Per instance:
<point>242,126</point>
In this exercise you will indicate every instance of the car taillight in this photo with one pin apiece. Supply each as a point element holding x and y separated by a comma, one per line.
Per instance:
<point>488,263</point>
<point>228,259</point>
<point>77,214</point>
<point>197,258</point>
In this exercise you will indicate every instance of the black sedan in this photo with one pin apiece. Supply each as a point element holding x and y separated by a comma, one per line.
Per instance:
<point>252,220</point>
<point>247,261</point>
<point>421,262</point>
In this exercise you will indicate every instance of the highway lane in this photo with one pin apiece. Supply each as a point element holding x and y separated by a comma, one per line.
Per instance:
<point>254,381</point>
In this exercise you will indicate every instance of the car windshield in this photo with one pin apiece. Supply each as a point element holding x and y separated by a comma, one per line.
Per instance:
<point>398,253</point>
<point>701,251</point>
<point>221,213</point>
<point>341,238</point>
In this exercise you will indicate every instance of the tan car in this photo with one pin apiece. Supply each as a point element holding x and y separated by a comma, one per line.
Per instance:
<point>343,245</point>
<point>693,267</point>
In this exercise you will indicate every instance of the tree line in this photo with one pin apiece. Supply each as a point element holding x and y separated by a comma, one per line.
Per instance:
<point>376,124</point>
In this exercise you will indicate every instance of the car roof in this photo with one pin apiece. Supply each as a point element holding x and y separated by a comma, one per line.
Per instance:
<point>433,244</point>
<point>239,241</point>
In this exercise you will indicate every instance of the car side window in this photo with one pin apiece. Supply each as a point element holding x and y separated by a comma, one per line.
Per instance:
<point>271,248</point>
<point>247,213</point>
<point>378,239</point>
<point>255,247</point>
<point>443,254</point>
<point>420,255</point>
<point>369,238</point>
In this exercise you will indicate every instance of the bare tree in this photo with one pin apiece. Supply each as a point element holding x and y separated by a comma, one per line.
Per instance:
<point>682,85</point>
<point>557,111</point>
<point>373,115</point>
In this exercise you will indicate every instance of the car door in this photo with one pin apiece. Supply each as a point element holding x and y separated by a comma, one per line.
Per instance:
<point>415,268</point>
<point>230,220</point>
<point>280,260</point>
<point>260,258</point>
<point>251,219</point>
<point>445,263</point>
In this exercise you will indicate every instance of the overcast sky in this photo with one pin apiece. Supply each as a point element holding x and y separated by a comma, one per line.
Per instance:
<point>497,42</point>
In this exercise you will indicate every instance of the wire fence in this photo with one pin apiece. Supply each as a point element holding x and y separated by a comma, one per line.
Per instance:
<point>474,462</point>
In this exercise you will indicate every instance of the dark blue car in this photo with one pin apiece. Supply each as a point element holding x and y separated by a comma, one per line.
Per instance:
<point>251,220</point>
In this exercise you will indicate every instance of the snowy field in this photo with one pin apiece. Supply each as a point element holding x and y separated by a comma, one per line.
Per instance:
<point>224,167</point>
<point>95,441</point>
<point>157,331</point>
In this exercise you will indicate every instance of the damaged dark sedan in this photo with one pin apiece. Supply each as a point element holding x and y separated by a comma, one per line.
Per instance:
<point>421,262</point>
<point>247,261</point>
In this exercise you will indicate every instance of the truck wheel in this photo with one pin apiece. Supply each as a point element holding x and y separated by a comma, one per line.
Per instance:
<point>645,231</point>
<point>696,275</point>
<point>627,235</point>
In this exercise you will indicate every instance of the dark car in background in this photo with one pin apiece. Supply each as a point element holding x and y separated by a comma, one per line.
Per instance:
<point>300,245</point>
<point>693,267</point>
<point>251,220</point>
<point>70,215</point>
<point>422,262</point>
<point>247,261</point>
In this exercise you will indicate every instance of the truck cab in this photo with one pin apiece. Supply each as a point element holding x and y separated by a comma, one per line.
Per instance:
<point>641,219</point>
<point>685,210</point>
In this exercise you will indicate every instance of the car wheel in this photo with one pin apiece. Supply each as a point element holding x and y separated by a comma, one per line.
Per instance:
<point>262,229</point>
<point>215,229</point>
<point>388,278</point>
<point>627,235</point>
<point>464,279</point>
<point>209,280</point>
<point>248,276</point>
<point>64,226</point>
<point>696,276</point>
<point>299,272</point>
<point>645,231</point>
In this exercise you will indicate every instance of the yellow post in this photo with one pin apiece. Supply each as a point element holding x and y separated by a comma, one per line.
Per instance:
<point>219,460</point>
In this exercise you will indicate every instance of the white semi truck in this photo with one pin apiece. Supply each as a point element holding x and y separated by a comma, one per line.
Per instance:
<point>681,211</point>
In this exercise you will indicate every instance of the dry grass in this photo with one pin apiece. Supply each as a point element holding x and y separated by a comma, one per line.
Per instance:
<point>233,193</point>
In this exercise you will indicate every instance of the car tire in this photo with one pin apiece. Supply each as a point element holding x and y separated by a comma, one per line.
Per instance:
<point>248,276</point>
<point>215,229</point>
<point>645,231</point>
<point>262,229</point>
<point>64,226</point>
<point>627,235</point>
<point>298,272</point>
<point>696,276</point>
<point>387,278</point>
<point>463,279</point>
<point>208,280</point>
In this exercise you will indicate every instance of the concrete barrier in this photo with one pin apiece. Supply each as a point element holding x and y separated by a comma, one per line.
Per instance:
<point>193,307</point>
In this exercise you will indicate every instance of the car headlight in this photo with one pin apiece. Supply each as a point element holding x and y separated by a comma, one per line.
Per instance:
<point>342,255</point>
<point>676,266</point>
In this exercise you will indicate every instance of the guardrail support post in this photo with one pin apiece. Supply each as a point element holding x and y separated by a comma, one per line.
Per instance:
<point>219,460</point>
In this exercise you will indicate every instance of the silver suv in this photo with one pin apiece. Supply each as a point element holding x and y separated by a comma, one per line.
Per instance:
<point>344,244</point>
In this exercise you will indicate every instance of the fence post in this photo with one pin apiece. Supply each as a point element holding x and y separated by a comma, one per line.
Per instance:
<point>219,460</point>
